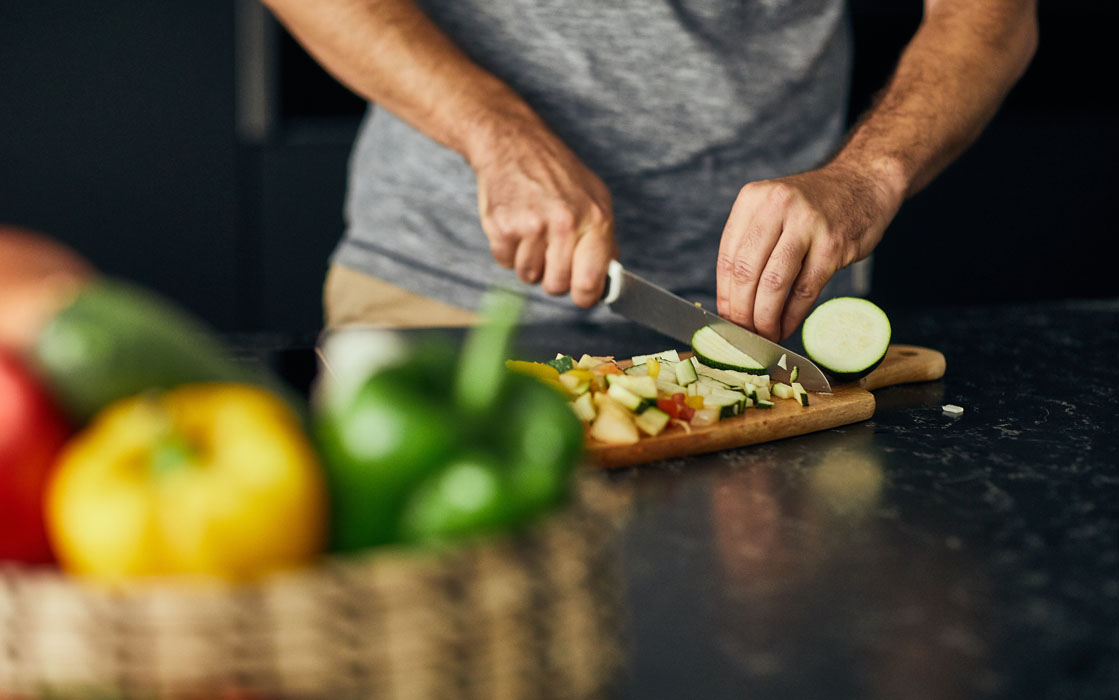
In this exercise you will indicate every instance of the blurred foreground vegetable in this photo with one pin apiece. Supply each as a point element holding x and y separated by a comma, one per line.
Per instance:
<point>31,433</point>
<point>432,447</point>
<point>213,479</point>
<point>117,339</point>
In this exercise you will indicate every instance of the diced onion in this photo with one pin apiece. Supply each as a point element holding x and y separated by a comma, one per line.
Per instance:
<point>704,417</point>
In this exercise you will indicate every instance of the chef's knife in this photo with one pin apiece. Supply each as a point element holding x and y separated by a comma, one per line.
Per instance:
<point>650,305</point>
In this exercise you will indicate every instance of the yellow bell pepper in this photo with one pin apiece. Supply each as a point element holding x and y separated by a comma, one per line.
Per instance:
<point>206,479</point>
<point>544,372</point>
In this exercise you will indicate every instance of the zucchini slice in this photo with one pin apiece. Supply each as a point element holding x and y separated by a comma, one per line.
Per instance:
<point>714,350</point>
<point>846,336</point>
<point>685,373</point>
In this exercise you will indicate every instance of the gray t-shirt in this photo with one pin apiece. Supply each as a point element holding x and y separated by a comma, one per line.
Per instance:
<point>675,104</point>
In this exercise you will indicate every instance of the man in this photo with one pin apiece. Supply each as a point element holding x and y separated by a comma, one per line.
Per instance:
<point>699,141</point>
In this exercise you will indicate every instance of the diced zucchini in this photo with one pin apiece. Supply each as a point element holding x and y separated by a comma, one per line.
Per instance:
<point>764,404</point>
<point>584,408</point>
<point>728,377</point>
<point>652,421</point>
<point>645,387</point>
<point>637,370</point>
<point>728,403</point>
<point>627,399</point>
<point>666,387</point>
<point>794,374</point>
<point>800,394</point>
<point>562,363</point>
<point>782,391</point>
<point>685,373</point>
<point>670,355</point>
<point>761,393</point>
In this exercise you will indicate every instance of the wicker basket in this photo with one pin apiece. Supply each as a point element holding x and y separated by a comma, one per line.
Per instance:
<point>534,615</point>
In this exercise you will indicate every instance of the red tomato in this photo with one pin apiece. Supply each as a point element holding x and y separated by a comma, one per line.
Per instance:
<point>31,433</point>
<point>670,407</point>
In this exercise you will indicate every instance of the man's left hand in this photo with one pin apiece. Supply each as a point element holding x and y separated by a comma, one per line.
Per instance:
<point>786,237</point>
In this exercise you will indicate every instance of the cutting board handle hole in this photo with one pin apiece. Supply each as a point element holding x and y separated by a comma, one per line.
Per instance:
<point>907,353</point>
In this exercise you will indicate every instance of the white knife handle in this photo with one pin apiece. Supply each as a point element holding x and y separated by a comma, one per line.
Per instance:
<point>613,282</point>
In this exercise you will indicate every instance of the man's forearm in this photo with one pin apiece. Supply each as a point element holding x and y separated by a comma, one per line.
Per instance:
<point>950,80</point>
<point>389,52</point>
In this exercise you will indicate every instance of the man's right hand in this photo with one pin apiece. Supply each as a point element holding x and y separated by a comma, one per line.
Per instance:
<point>546,215</point>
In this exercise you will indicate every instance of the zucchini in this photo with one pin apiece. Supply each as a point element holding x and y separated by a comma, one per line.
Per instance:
<point>670,355</point>
<point>118,339</point>
<point>714,350</point>
<point>584,408</point>
<point>627,399</point>
<point>800,394</point>
<point>685,373</point>
<point>666,387</point>
<point>846,336</point>
<point>645,387</point>
<point>728,403</point>
<point>782,391</point>
<point>562,363</point>
<point>764,404</point>
<point>731,378</point>
<point>652,421</point>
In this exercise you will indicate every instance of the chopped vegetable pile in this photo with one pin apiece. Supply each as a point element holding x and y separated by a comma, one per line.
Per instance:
<point>654,392</point>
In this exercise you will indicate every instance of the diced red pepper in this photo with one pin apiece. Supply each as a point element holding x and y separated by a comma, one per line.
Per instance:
<point>672,408</point>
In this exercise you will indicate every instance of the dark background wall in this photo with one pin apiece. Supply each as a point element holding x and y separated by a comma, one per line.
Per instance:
<point>194,148</point>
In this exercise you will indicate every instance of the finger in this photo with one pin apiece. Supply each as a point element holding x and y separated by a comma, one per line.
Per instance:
<point>818,268</point>
<point>593,253</point>
<point>753,229</point>
<point>529,259</point>
<point>557,258</point>
<point>502,246</point>
<point>735,228</point>
<point>777,278</point>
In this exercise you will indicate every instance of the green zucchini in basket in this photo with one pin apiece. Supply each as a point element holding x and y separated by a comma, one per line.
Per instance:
<point>847,337</point>
<point>119,339</point>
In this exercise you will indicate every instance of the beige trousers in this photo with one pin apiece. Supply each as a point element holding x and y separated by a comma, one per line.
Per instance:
<point>354,298</point>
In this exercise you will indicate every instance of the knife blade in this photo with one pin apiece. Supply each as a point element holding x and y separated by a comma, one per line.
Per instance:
<point>651,305</point>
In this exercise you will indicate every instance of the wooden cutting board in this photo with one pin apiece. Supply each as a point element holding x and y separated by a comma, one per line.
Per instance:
<point>849,403</point>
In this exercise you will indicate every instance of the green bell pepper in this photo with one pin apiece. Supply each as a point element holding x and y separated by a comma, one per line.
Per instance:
<point>436,448</point>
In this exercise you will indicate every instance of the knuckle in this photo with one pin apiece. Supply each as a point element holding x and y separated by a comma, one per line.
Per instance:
<point>561,221</point>
<point>749,189</point>
<point>773,280</point>
<point>781,193</point>
<point>743,272</point>
<point>725,263</point>
<point>501,218</point>
<point>599,217</point>
<point>804,291</point>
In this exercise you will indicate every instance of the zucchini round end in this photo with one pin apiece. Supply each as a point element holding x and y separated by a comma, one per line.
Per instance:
<point>847,337</point>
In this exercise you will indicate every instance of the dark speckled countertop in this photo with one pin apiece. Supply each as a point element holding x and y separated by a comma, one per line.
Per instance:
<point>914,555</point>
